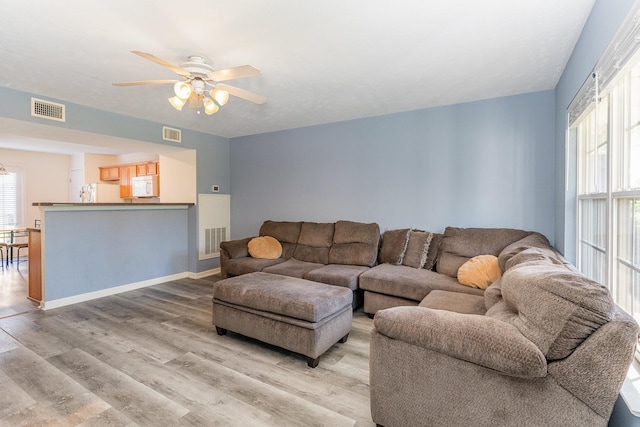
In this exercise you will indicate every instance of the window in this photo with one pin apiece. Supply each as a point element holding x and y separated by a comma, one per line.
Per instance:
<point>608,144</point>
<point>11,210</point>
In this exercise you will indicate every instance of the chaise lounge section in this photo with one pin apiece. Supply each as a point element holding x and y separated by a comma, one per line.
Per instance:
<point>544,345</point>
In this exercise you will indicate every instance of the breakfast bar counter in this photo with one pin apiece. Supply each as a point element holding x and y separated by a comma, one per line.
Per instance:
<point>89,250</point>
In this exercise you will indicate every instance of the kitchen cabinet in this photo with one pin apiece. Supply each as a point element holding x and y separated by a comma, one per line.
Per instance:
<point>143,169</point>
<point>110,173</point>
<point>126,173</point>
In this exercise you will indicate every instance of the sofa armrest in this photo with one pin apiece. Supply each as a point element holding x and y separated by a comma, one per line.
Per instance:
<point>236,248</point>
<point>477,339</point>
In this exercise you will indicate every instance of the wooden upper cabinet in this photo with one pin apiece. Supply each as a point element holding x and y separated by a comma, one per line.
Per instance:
<point>110,173</point>
<point>114,173</point>
<point>143,169</point>
<point>152,168</point>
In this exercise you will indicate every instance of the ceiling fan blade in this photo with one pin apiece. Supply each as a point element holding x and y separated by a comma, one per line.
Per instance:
<point>244,94</point>
<point>162,62</point>
<point>234,73</point>
<point>146,82</point>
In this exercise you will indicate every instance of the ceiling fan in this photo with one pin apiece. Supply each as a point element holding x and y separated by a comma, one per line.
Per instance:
<point>199,83</point>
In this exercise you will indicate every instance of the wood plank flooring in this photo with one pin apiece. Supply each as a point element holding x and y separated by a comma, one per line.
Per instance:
<point>13,290</point>
<point>151,357</point>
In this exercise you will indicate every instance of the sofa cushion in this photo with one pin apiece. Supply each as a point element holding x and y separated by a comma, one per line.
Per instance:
<point>454,301</point>
<point>460,244</point>
<point>342,275</point>
<point>314,242</point>
<point>554,307</point>
<point>394,245</point>
<point>480,271</point>
<point>533,256</point>
<point>417,249</point>
<point>266,247</point>
<point>477,339</point>
<point>409,283</point>
<point>238,266</point>
<point>292,268</point>
<point>286,232</point>
<point>355,243</point>
<point>533,240</point>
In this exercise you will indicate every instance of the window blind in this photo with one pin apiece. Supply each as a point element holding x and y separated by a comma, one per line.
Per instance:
<point>8,200</point>
<point>615,56</point>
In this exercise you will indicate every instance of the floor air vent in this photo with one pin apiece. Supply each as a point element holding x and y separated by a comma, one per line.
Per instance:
<point>47,110</point>
<point>171,134</point>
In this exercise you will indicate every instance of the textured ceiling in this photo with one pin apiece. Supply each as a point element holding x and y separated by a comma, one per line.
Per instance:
<point>322,60</point>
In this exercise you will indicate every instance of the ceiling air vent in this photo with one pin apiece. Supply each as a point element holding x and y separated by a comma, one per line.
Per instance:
<point>47,110</point>
<point>171,134</point>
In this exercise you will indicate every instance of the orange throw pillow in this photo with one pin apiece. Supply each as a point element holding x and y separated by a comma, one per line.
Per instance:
<point>266,247</point>
<point>480,271</point>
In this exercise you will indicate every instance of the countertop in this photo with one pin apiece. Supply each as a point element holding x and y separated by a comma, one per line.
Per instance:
<point>71,204</point>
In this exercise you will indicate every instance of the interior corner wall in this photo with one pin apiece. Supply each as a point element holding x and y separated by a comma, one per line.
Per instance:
<point>603,22</point>
<point>486,164</point>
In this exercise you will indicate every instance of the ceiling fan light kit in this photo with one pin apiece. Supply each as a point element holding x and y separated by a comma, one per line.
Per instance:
<point>177,102</point>
<point>198,75</point>
<point>183,90</point>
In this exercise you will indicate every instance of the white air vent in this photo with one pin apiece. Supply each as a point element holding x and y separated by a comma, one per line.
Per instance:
<point>171,134</point>
<point>212,239</point>
<point>214,220</point>
<point>47,110</point>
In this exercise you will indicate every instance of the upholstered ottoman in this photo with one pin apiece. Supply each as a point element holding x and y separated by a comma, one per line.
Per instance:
<point>299,315</point>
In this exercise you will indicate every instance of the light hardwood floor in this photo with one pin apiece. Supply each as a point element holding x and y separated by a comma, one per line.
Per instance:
<point>13,290</point>
<point>151,357</point>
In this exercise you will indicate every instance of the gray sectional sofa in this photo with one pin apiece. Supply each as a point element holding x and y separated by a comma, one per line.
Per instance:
<point>542,345</point>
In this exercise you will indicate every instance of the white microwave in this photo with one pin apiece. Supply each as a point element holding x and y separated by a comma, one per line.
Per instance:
<point>145,186</point>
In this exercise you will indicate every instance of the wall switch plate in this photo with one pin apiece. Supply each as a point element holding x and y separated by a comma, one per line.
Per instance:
<point>215,188</point>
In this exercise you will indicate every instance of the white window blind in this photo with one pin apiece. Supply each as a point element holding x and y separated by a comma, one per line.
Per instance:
<point>9,200</point>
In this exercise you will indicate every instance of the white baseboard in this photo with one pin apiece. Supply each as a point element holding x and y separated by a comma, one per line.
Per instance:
<point>61,302</point>
<point>203,274</point>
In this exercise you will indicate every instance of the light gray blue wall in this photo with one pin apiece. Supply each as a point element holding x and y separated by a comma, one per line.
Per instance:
<point>88,251</point>
<point>212,152</point>
<point>485,164</point>
<point>604,20</point>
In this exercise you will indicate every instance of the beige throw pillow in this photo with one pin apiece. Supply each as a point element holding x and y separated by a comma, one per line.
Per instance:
<point>480,271</point>
<point>266,247</point>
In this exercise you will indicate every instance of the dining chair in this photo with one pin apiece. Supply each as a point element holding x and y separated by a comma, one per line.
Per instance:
<point>4,250</point>
<point>17,246</point>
